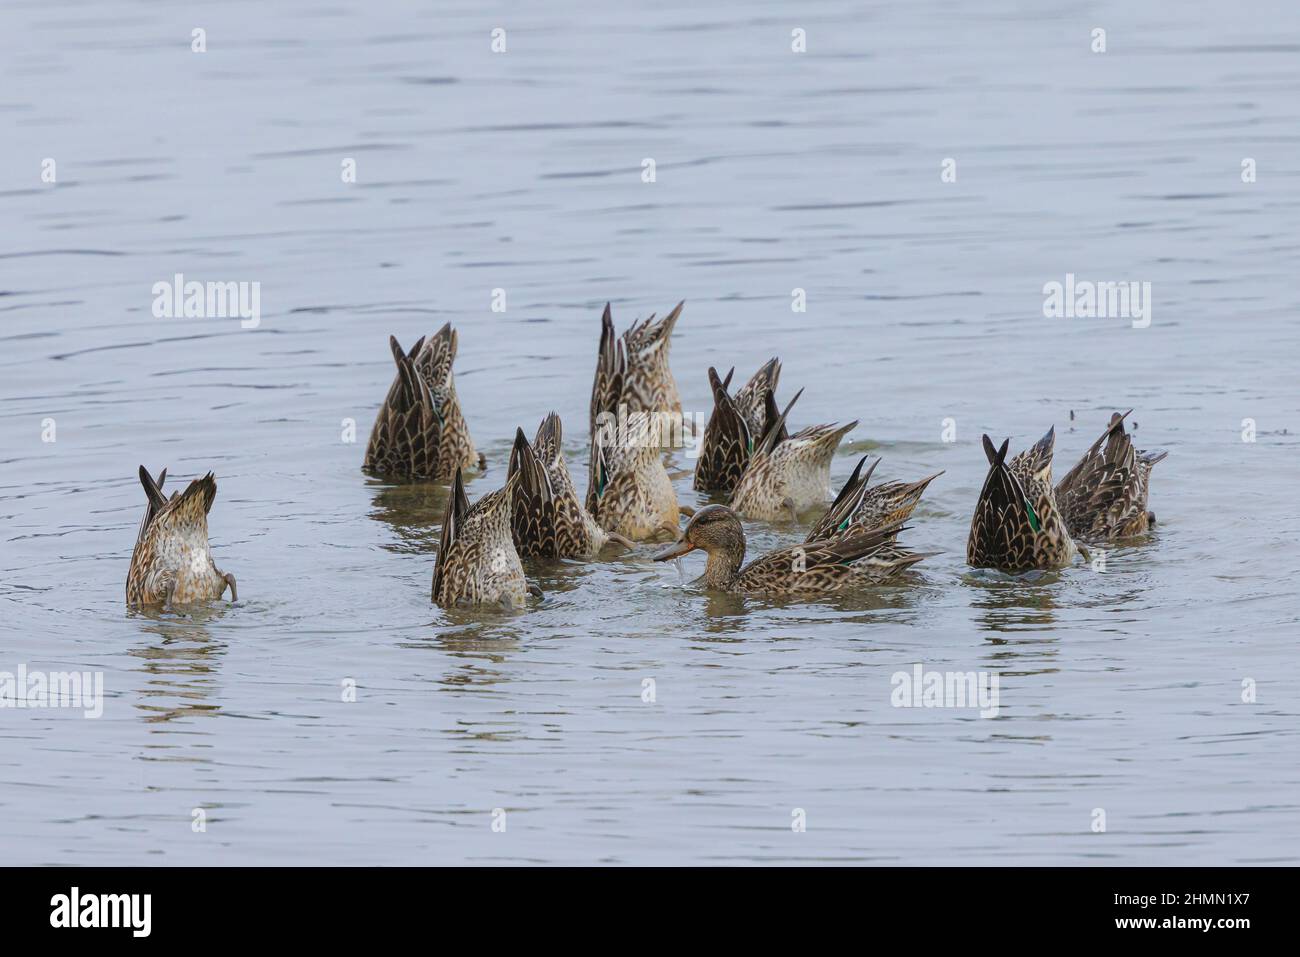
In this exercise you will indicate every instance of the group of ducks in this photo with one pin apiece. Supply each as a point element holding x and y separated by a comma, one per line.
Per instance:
<point>747,454</point>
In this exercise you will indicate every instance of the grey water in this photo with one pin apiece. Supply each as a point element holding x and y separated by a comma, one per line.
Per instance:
<point>1148,709</point>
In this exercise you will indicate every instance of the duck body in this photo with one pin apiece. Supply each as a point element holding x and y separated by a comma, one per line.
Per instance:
<point>735,427</point>
<point>807,570</point>
<point>478,563</point>
<point>860,507</point>
<point>786,474</point>
<point>548,520</point>
<point>639,357</point>
<point>1104,497</point>
<point>172,562</point>
<point>420,431</point>
<point>1017,525</point>
<point>629,492</point>
<point>785,477</point>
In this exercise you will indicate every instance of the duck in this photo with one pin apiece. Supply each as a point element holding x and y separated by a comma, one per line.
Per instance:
<point>1104,497</point>
<point>786,475</point>
<point>735,426</point>
<point>859,508</point>
<point>818,568</point>
<point>420,431</point>
<point>172,562</point>
<point>639,358</point>
<point>477,562</point>
<point>547,519</point>
<point>629,492</point>
<point>1018,526</point>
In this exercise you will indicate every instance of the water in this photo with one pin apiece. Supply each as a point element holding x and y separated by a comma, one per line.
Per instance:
<point>521,171</point>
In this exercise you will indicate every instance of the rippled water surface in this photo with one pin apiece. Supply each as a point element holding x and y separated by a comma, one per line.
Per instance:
<point>1120,690</point>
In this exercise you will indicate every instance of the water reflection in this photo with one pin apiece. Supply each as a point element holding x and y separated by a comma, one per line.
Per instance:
<point>1004,603</point>
<point>476,656</point>
<point>414,511</point>
<point>181,667</point>
<point>724,613</point>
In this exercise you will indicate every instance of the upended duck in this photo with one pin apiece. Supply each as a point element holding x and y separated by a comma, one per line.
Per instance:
<point>1017,526</point>
<point>810,569</point>
<point>477,561</point>
<point>420,432</point>
<point>639,359</point>
<point>172,563</point>
<point>860,507</point>
<point>629,492</point>
<point>1104,497</point>
<point>785,474</point>
<point>547,518</point>
<point>735,426</point>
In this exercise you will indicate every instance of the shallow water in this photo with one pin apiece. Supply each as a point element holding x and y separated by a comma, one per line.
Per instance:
<point>1120,690</point>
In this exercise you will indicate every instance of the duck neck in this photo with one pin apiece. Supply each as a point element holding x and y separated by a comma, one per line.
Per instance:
<point>723,563</point>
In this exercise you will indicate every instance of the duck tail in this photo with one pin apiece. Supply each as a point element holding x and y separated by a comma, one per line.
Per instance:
<point>918,487</point>
<point>776,432</point>
<point>666,324</point>
<point>156,500</point>
<point>825,439</point>
<point>996,457</point>
<point>193,504</point>
<point>533,482</point>
<point>435,360</point>
<point>153,489</point>
<point>452,520</point>
<point>1040,453</point>
<point>768,375</point>
<point>548,443</point>
<point>1153,456</point>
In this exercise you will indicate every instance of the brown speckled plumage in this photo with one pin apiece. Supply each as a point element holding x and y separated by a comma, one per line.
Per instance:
<point>786,475</point>
<point>1104,497</point>
<point>858,508</point>
<point>420,432</point>
<point>736,426</point>
<point>638,359</point>
<point>1017,526</point>
<point>629,492</point>
<point>548,519</point>
<point>171,563</point>
<point>477,560</point>
<point>810,569</point>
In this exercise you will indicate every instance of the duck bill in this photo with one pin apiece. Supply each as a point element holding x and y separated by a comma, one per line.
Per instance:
<point>675,550</point>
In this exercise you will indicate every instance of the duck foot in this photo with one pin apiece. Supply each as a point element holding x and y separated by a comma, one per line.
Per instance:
<point>230,580</point>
